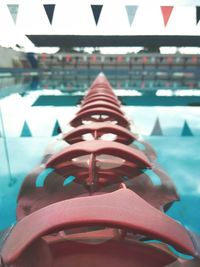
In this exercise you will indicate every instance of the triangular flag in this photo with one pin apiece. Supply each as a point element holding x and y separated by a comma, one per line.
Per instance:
<point>13,11</point>
<point>197,14</point>
<point>157,128</point>
<point>131,11</point>
<point>96,10</point>
<point>49,11</point>
<point>186,130</point>
<point>25,131</point>
<point>56,130</point>
<point>166,12</point>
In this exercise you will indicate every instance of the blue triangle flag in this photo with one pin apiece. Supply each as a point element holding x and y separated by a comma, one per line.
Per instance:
<point>57,129</point>
<point>49,9</point>
<point>131,11</point>
<point>157,130</point>
<point>25,131</point>
<point>186,130</point>
<point>96,10</point>
<point>13,11</point>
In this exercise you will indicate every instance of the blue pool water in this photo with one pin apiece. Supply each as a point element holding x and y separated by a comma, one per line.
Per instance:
<point>27,130</point>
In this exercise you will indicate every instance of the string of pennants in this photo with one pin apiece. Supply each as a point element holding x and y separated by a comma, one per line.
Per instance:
<point>131,11</point>
<point>157,130</point>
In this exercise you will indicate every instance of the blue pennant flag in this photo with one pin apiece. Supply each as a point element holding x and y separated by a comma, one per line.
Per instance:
<point>25,131</point>
<point>186,130</point>
<point>57,129</point>
<point>157,130</point>
<point>13,9</point>
<point>131,11</point>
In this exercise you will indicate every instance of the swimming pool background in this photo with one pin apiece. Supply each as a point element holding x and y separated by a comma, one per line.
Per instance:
<point>28,130</point>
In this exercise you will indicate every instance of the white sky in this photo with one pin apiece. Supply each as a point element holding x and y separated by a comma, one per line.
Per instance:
<point>32,20</point>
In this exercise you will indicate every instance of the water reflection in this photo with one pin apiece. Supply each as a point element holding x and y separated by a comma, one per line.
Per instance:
<point>143,81</point>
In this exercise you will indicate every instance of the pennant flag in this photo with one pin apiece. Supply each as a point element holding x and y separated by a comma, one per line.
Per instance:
<point>68,58</point>
<point>197,14</point>
<point>166,12</point>
<point>93,58</point>
<point>194,59</point>
<point>131,11</point>
<point>44,56</point>
<point>186,130</point>
<point>170,60</point>
<point>49,9</point>
<point>144,60</point>
<point>13,9</point>
<point>119,59</point>
<point>96,10</point>
<point>57,130</point>
<point>102,59</point>
<point>25,131</point>
<point>157,128</point>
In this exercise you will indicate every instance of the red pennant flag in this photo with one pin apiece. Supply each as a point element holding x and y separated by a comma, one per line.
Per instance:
<point>44,56</point>
<point>144,60</point>
<point>169,60</point>
<point>68,58</point>
<point>93,58</point>
<point>166,12</point>
<point>194,59</point>
<point>119,58</point>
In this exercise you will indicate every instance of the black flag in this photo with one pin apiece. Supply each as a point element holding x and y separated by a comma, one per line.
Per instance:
<point>49,11</point>
<point>96,10</point>
<point>197,14</point>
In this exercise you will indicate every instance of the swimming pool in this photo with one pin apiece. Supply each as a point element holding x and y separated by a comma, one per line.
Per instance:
<point>29,124</point>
